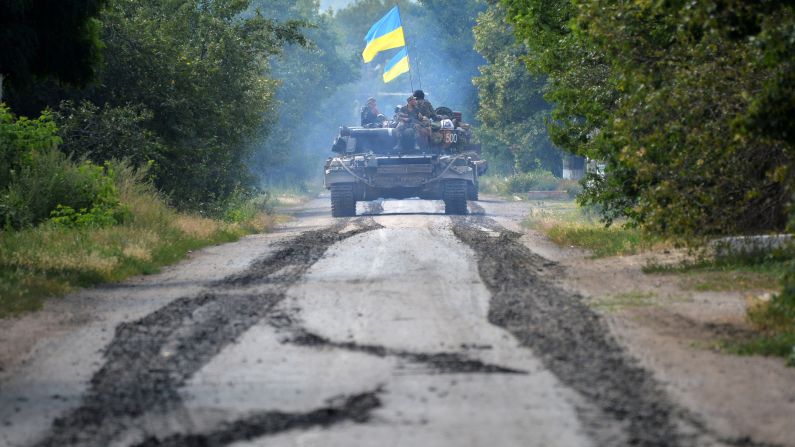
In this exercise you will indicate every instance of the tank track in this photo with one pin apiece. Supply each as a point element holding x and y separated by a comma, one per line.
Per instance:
<point>454,194</point>
<point>342,202</point>
<point>473,191</point>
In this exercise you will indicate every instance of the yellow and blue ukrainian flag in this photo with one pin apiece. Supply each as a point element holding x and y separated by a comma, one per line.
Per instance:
<point>396,66</point>
<point>386,34</point>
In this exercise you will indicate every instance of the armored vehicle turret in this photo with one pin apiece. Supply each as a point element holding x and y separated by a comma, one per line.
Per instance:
<point>432,160</point>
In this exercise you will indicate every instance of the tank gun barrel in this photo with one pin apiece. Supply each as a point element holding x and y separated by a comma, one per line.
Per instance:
<point>365,132</point>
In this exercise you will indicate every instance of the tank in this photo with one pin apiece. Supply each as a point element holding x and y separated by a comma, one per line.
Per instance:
<point>431,160</point>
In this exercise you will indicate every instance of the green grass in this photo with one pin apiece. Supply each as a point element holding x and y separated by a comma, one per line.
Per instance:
<point>774,320</point>
<point>739,279</point>
<point>723,276</point>
<point>781,344</point>
<point>633,298</point>
<point>51,260</point>
<point>567,224</point>
<point>516,185</point>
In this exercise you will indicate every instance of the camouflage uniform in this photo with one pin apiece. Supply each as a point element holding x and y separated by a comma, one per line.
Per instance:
<point>414,115</point>
<point>414,121</point>
<point>426,108</point>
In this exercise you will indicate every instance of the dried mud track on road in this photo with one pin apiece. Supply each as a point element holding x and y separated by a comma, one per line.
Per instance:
<point>441,362</point>
<point>354,408</point>
<point>150,359</point>
<point>571,340</point>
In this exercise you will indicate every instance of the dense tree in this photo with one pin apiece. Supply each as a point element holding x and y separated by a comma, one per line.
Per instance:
<point>446,45</point>
<point>682,100</point>
<point>580,85</point>
<point>49,38</point>
<point>512,109</point>
<point>194,75</point>
<point>103,133</point>
<point>201,70</point>
<point>309,76</point>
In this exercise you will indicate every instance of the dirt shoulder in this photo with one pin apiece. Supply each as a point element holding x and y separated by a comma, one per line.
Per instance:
<point>673,330</point>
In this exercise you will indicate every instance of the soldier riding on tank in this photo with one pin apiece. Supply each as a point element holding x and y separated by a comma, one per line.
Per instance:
<point>413,127</point>
<point>370,116</point>
<point>422,153</point>
<point>425,106</point>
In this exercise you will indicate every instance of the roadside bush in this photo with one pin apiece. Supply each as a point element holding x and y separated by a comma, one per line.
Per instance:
<point>537,180</point>
<point>105,133</point>
<point>38,178</point>
<point>19,137</point>
<point>777,316</point>
<point>783,304</point>
<point>97,216</point>
<point>243,206</point>
<point>53,180</point>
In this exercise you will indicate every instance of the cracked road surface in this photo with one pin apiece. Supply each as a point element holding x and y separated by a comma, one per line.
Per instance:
<point>399,327</point>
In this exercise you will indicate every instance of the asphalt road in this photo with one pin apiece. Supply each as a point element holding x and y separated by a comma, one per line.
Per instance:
<point>399,327</point>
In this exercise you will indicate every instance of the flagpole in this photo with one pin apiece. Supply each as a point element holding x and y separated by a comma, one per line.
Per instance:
<point>405,37</point>
<point>419,76</point>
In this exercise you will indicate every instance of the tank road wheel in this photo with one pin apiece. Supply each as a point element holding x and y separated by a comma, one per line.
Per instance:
<point>342,201</point>
<point>473,190</point>
<point>454,194</point>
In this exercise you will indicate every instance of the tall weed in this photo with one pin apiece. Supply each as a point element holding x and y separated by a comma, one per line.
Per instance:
<point>52,259</point>
<point>50,180</point>
<point>38,179</point>
<point>777,316</point>
<point>537,180</point>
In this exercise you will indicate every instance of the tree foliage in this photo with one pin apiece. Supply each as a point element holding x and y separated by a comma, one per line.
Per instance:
<point>201,70</point>
<point>39,179</point>
<point>446,43</point>
<point>683,100</point>
<point>512,108</point>
<point>309,76</point>
<point>41,38</point>
<point>193,77</point>
<point>104,133</point>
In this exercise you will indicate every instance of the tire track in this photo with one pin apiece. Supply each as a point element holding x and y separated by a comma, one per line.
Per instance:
<point>441,362</point>
<point>148,360</point>
<point>355,408</point>
<point>571,340</point>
